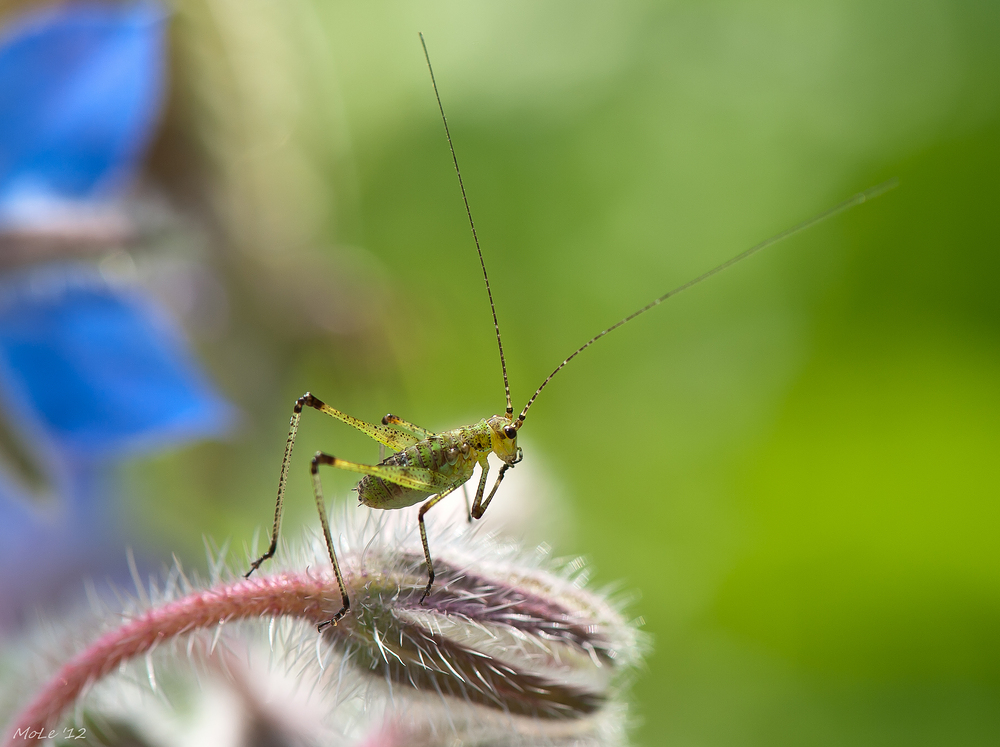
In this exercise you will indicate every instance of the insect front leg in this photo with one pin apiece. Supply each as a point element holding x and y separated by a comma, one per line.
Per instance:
<point>423,538</point>
<point>477,509</point>
<point>479,491</point>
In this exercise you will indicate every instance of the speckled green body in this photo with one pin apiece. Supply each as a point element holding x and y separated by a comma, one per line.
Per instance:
<point>452,454</point>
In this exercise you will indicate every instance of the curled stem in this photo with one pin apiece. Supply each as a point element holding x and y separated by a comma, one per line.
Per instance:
<point>299,595</point>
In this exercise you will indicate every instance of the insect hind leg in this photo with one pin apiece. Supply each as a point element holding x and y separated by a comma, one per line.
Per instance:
<point>385,435</point>
<point>395,420</point>
<point>293,429</point>
<point>320,459</point>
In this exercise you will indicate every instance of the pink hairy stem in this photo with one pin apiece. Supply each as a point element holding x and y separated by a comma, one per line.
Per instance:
<point>287,594</point>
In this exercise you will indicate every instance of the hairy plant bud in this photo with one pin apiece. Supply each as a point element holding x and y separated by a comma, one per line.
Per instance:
<point>503,651</point>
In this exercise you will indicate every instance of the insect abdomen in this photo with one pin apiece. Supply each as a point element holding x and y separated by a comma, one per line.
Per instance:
<point>442,454</point>
<point>375,492</point>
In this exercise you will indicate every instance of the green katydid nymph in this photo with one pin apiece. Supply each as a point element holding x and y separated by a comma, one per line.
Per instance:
<point>427,466</point>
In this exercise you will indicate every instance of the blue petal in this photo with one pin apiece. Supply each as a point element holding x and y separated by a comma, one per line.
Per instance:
<point>99,369</point>
<point>81,87</point>
<point>41,546</point>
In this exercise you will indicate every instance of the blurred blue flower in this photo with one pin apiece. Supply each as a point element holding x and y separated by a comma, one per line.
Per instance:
<point>96,370</point>
<point>91,371</point>
<point>81,87</point>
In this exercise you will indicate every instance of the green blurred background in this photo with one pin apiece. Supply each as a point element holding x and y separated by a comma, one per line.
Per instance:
<point>795,463</point>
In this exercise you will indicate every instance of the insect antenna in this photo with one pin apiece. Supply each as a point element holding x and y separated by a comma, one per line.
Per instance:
<point>857,199</point>
<point>472,224</point>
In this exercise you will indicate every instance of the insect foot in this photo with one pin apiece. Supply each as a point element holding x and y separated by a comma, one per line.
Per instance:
<point>509,649</point>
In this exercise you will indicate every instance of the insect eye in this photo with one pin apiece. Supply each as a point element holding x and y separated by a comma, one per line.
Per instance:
<point>510,431</point>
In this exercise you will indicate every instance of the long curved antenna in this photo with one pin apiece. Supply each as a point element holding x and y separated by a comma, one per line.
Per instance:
<point>857,199</point>
<point>475,236</point>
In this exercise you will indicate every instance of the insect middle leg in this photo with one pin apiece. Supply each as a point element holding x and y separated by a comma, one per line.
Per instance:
<point>433,502</point>
<point>468,506</point>
<point>423,538</point>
